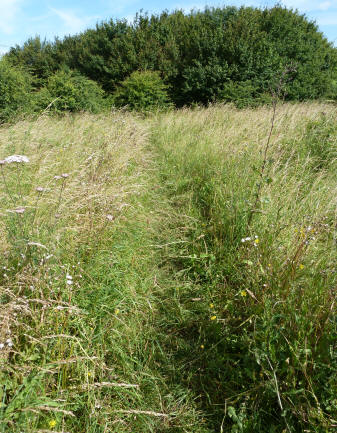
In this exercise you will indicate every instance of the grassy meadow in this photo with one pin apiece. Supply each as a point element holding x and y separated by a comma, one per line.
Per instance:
<point>175,273</point>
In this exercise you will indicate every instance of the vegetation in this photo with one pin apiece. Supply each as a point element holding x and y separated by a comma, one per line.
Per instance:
<point>169,274</point>
<point>66,91</point>
<point>142,91</point>
<point>218,54</point>
<point>15,88</point>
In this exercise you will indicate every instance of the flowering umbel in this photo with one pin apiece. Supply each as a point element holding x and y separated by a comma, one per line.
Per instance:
<point>16,158</point>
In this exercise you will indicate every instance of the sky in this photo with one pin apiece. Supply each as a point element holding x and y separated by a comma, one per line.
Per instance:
<point>21,19</point>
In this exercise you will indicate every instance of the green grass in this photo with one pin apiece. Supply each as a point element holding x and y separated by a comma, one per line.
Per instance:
<point>171,323</point>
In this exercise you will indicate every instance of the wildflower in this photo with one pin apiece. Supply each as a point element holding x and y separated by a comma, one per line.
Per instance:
<point>213,317</point>
<point>36,244</point>
<point>57,177</point>
<point>52,423</point>
<point>243,240</point>
<point>211,305</point>
<point>65,175</point>
<point>301,266</point>
<point>16,158</point>
<point>2,162</point>
<point>19,210</point>
<point>2,346</point>
<point>40,189</point>
<point>89,374</point>
<point>110,217</point>
<point>69,279</point>
<point>257,240</point>
<point>117,311</point>
<point>202,346</point>
<point>243,293</point>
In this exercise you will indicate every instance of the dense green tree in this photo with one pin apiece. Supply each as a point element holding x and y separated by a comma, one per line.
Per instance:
<point>15,88</point>
<point>202,56</point>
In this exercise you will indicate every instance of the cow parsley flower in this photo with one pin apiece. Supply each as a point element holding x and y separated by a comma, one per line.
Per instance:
<point>16,158</point>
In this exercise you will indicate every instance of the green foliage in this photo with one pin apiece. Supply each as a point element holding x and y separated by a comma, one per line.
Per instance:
<point>142,91</point>
<point>219,54</point>
<point>68,91</point>
<point>37,57</point>
<point>197,54</point>
<point>15,87</point>
<point>243,94</point>
<point>203,83</point>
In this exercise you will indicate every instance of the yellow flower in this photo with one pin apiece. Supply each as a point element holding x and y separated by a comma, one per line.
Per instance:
<point>89,374</point>
<point>52,423</point>
<point>257,241</point>
<point>117,311</point>
<point>213,317</point>
<point>301,266</point>
<point>202,346</point>
<point>211,305</point>
<point>243,293</point>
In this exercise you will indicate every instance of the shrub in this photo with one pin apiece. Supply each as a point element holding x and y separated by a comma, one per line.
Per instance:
<point>243,94</point>
<point>68,91</point>
<point>15,88</point>
<point>204,82</point>
<point>142,91</point>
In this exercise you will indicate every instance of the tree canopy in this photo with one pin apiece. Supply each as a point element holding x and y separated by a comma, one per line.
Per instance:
<point>201,56</point>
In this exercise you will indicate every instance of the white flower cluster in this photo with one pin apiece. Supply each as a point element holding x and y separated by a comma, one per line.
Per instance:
<point>15,158</point>
<point>62,176</point>
<point>248,238</point>
<point>69,279</point>
<point>8,342</point>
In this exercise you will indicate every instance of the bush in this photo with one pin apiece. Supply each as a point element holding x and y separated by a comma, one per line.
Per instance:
<point>142,91</point>
<point>243,94</point>
<point>15,91</point>
<point>204,82</point>
<point>68,91</point>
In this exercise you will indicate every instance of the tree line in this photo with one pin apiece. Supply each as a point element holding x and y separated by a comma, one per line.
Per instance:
<point>218,54</point>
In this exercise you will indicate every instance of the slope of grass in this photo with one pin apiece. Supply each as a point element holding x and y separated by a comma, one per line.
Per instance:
<point>129,302</point>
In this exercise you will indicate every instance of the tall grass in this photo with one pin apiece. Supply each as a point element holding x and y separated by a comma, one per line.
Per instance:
<point>268,338</point>
<point>136,296</point>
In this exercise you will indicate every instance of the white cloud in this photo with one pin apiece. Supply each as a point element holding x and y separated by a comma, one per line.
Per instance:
<point>72,23</point>
<point>324,6</point>
<point>9,10</point>
<point>310,5</point>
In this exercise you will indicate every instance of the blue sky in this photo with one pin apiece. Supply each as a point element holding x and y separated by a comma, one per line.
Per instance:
<point>21,19</point>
